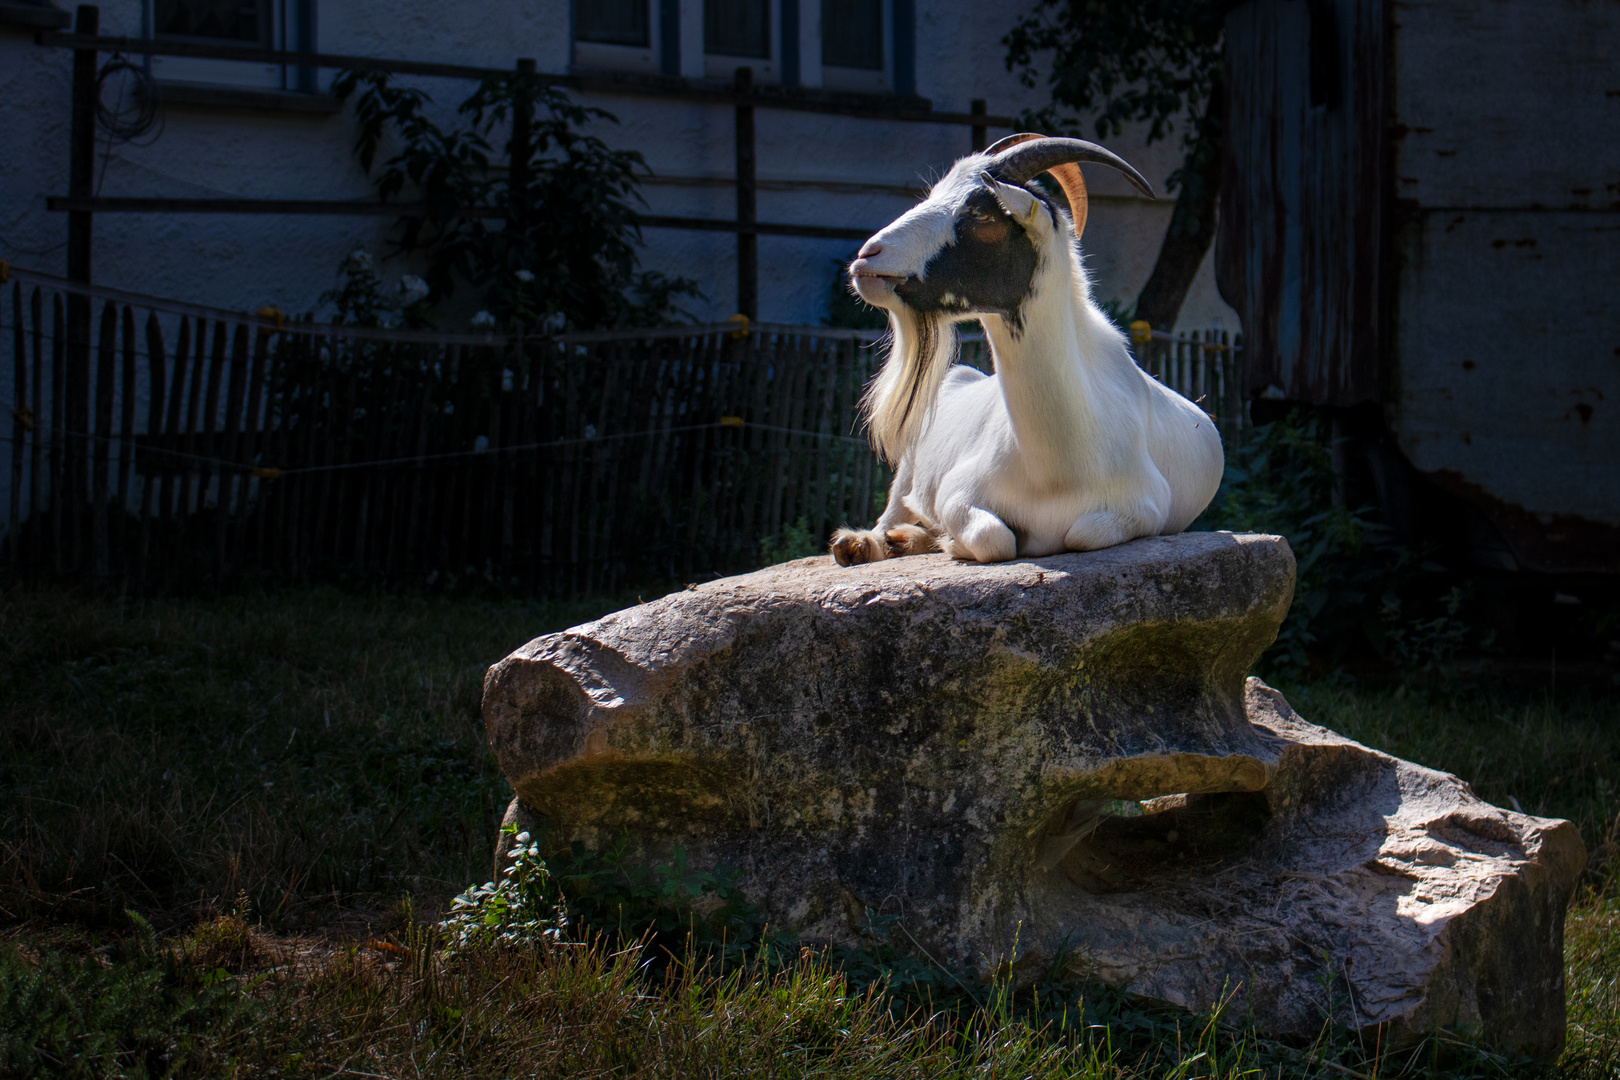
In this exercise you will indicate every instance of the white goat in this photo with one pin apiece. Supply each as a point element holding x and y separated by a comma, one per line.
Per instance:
<point>1069,446</point>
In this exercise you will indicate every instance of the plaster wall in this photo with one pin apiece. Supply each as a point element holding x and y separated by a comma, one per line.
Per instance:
<point>242,261</point>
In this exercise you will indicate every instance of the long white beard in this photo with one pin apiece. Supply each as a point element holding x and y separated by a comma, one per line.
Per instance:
<point>900,399</point>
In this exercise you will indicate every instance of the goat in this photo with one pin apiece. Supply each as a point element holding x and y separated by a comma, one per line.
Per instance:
<point>1069,446</point>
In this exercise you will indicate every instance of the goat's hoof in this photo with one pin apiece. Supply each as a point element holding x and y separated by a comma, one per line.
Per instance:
<point>911,540</point>
<point>851,547</point>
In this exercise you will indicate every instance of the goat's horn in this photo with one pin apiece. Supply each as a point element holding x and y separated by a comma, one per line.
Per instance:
<point>1020,158</point>
<point>1011,140</point>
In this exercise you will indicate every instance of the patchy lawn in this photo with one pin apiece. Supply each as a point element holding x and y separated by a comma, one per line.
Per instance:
<point>284,786</point>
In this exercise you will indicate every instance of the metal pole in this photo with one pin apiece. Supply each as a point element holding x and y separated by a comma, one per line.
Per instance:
<point>747,238</point>
<point>980,131</point>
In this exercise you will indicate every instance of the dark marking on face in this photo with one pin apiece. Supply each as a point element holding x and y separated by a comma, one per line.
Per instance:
<point>988,269</point>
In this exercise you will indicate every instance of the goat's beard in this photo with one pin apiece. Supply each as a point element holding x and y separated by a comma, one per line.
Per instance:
<point>899,401</point>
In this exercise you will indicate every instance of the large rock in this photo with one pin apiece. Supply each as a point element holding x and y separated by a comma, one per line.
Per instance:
<point>1054,758</point>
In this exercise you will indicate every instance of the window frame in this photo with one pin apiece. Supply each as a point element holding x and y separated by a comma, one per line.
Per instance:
<point>289,24</point>
<point>265,40</point>
<point>864,80</point>
<point>648,11</point>
<point>612,56</point>
<point>827,39</point>
<point>767,68</point>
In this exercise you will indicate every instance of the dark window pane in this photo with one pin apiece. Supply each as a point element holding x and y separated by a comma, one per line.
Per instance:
<point>852,33</point>
<point>613,22</point>
<point>244,21</point>
<point>737,27</point>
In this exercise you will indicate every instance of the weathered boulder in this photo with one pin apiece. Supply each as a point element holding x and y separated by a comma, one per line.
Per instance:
<point>1051,758</point>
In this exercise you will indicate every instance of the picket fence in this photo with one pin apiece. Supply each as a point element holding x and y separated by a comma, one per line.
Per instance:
<point>173,446</point>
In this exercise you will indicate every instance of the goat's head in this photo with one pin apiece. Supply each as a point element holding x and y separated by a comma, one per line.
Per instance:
<point>973,245</point>
<point>972,248</point>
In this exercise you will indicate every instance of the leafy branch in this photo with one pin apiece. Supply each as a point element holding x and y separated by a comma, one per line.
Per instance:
<point>563,250</point>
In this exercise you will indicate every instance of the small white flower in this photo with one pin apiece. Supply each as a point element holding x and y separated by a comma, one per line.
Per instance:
<point>590,431</point>
<point>524,276</point>
<point>483,321</point>
<point>359,261</point>
<point>522,838</point>
<point>413,288</point>
<point>555,322</point>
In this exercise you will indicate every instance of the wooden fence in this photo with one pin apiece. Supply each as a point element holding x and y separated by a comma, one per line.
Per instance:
<point>188,446</point>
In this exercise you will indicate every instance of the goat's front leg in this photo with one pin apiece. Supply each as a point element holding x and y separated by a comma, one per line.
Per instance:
<point>974,533</point>
<point>852,546</point>
<point>897,532</point>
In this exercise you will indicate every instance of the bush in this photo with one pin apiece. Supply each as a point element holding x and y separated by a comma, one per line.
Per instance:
<point>1358,594</point>
<point>564,257</point>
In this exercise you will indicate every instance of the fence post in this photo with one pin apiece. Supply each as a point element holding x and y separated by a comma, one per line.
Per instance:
<point>21,420</point>
<point>747,239</point>
<point>81,185</point>
<point>981,134</point>
<point>1142,339</point>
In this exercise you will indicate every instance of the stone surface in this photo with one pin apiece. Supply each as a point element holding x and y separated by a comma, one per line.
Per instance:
<point>1050,758</point>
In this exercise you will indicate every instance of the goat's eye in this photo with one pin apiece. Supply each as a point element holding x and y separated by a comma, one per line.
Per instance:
<point>984,228</point>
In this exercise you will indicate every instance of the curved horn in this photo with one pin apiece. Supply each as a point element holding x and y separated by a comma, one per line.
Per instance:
<point>1010,141</point>
<point>1027,158</point>
<point>1066,174</point>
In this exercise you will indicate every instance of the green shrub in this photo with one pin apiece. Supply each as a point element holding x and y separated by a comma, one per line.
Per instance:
<point>565,255</point>
<point>1357,592</point>
<point>793,542</point>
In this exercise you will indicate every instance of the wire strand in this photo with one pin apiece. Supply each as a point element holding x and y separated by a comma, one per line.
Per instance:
<point>272,472</point>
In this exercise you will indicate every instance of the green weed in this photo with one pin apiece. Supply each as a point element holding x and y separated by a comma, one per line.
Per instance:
<point>793,542</point>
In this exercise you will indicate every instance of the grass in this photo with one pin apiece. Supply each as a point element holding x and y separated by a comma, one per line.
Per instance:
<point>303,748</point>
<point>264,779</point>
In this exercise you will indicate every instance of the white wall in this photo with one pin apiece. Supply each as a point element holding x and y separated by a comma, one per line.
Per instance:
<point>248,261</point>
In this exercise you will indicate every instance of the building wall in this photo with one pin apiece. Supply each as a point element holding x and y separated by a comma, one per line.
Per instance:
<point>1507,318</point>
<point>248,261</point>
<point>1439,240</point>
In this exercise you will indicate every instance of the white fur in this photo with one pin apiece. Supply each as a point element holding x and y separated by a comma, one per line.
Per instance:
<point>1069,446</point>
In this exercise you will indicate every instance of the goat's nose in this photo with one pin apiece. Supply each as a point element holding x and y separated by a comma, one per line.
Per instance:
<point>869,249</point>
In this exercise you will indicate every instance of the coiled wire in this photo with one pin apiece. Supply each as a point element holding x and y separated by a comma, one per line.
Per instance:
<point>135,113</point>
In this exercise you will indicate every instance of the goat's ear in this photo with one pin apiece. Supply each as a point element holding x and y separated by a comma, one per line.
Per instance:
<point>1020,204</point>
<point>1074,189</point>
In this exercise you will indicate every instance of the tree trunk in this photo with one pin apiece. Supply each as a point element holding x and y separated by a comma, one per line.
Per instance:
<point>1192,224</point>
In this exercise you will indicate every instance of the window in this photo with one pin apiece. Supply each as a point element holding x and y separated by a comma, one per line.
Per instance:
<point>861,41</point>
<point>852,34</point>
<point>247,24</point>
<point>737,28</point>
<point>626,35</point>
<point>233,22</point>
<point>612,22</point>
